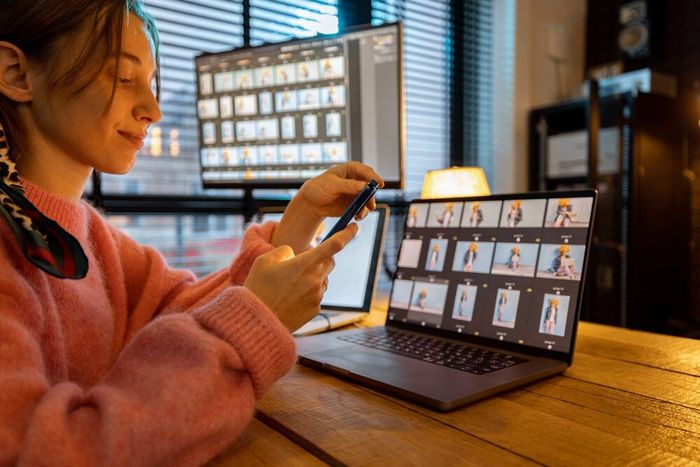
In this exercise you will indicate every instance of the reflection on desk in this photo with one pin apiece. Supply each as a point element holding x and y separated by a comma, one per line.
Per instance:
<point>630,396</point>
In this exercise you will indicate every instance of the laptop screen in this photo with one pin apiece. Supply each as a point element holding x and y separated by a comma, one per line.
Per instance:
<point>507,268</point>
<point>352,282</point>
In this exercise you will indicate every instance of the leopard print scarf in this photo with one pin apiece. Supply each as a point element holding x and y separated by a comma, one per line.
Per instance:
<point>44,243</point>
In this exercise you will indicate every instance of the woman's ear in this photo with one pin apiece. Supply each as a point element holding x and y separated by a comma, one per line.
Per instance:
<point>14,78</point>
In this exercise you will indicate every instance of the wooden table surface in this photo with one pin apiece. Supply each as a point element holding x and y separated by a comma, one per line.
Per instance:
<point>629,397</point>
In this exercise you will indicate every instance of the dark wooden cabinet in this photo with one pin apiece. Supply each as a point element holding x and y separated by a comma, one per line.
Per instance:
<point>640,254</point>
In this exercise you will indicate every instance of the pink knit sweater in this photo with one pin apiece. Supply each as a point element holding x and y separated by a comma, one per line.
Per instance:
<point>137,364</point>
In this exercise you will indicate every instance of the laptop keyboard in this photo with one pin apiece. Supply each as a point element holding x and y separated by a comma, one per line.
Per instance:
<point>462,357</point>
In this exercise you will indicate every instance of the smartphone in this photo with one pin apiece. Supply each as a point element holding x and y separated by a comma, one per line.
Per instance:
<point>355,207</point>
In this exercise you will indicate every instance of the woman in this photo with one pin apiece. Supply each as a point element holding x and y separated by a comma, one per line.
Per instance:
<point>501,309</point>
<point>476,216</point>
<point>564,213</point>
<point>470,256</point>
<point>563,264</point>
<point>550,319</point>
<point>444,218</point>
<point>514,258</point>
<point>107,356</point>
<point>434,258</point>
<point>515,214</point>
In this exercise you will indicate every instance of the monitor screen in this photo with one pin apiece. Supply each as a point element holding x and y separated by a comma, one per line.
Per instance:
<point>498,267</point>
<point>278,114</point>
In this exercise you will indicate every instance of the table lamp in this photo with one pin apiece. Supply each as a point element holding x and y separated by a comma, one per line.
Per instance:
<point>455,182</point>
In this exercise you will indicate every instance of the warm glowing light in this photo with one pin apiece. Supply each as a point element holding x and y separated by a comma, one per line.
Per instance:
<point>454,182</point>
<point>174,142</point>
<point>156,145</point>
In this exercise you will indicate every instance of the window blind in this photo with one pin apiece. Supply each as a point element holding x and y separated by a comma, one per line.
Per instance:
<point>275,21</point>
<point>426,82</point>
<point>489,61</point>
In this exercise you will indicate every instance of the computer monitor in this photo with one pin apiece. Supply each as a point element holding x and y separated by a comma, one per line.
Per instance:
<point>275,115</point>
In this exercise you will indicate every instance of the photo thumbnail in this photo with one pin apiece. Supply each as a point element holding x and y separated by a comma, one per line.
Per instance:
<point>515,259</point>
<point>286,101</point>
<point>267,129</point>
<point>506,310</point>
<point>555,309</point>
<point>289,154</point>
<point>409,256</point>
<point>417,215</point>
<point>444,214</point>
<point>243,79</point>
<point>285,74</point>
<point>569,212</point>
<point>473,257</point>
<point>428,297</point>
<point>249,155</point>
<point>309,124</point>
<point>265,100</point>
<point>561,261</point>
<point>267,154</point>
<point>307,71</point>
<point>333,124</point>
<point>523,213</point>
<point>207,108</point>
<point>335,152</point>
<point>226,106</point>
<point>229,156</point>
<point>245,131</point>
<point>332,67</point>
<point>308,99</point>
<point>209,133</point>
<point>227,134</point>
<point>465,298</point>
<point>333,96</point>
<point>223,82</point>
<point>264,76</point>
<point>246,105</point>
<point>311,153</point>
<point>481,214</point>
<point>437,250</point>
<point>206,85</point>
<point>210,157</point>
<point>289,127</point>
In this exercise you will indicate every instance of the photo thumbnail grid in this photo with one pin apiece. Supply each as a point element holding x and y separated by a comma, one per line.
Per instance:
<point>502,311</point>
<point>283,120</point>
<point>550,261</point>
<point>516,278</point>
<point>572,212</point>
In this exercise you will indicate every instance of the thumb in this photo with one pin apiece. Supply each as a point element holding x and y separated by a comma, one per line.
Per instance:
<point>279,254</point>
<point>336,243</point>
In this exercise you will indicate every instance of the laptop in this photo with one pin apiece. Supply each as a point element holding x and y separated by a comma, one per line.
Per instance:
<point>483,303</point>
<point>353,281</point>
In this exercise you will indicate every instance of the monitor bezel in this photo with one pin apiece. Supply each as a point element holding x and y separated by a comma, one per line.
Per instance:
<point>296,183</point>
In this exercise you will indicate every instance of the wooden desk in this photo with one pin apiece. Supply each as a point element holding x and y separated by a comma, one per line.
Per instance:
<point>630,396</point>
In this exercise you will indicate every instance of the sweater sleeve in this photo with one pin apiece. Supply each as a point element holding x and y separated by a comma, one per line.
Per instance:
<point>180,387</point>
<point>181,390</point>
<point>153,288</point>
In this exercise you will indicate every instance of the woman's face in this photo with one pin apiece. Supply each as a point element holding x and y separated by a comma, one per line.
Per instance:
<point>79,127</point>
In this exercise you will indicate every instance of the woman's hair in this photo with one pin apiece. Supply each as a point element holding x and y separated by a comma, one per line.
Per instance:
<point>43,28</point>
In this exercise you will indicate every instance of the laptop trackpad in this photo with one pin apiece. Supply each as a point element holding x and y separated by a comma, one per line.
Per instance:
<point>402,372</point>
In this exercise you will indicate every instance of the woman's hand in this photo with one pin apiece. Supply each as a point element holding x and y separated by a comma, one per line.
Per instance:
<point>293,286</point>
<point>329,194</point>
